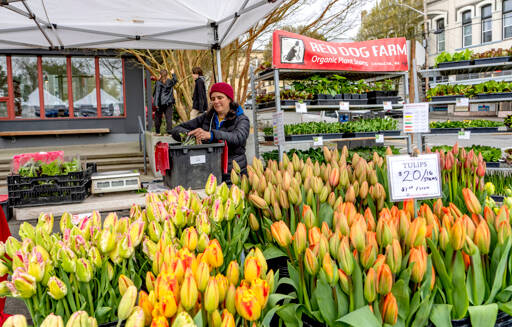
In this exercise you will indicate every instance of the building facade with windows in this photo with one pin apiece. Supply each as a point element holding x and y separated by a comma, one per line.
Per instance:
<point>49,90</point>
<point>456,25</point>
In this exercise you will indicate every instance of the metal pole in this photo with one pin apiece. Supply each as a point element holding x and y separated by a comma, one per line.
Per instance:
<point>149,102</point>
<point>219,66</point>
<point>278,109</point>
<point>406,87</point>
<point>425,30</point>
<point>254,116</point>
<point>416,86</point>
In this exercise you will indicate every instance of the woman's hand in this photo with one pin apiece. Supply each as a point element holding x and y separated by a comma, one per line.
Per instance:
<point>200,135</point>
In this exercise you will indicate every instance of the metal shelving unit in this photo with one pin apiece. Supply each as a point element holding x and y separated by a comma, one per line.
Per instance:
<point>294,74</point>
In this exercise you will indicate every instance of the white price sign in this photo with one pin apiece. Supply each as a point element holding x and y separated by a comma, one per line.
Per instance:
<point>196,160</point>
<point>464,135</point>
<point>462,102</point>
<point>415,118</point>
<point>300,107</point>
<point>344,106</point>
<point>379,138</point>
<point>318,140</point>
<point>278,127</point>
<point>414,177</point>
<point>387,105</point>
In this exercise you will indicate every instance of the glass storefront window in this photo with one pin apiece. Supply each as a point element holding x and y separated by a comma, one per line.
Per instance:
<point>111,81</point>
<point>25,87</point>
<point>55,82</point>
<point>3,109</point>
<point>85,102</point>
<point>3,77</point>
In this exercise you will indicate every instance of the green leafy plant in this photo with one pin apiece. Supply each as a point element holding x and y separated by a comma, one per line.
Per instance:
<point>508,121</point>
<point>465,123</point>
<point>489,153</point>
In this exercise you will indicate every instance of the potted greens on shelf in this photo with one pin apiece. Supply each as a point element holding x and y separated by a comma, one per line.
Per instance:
<point>458,59</point>
<point>475,126</point>
<point>492,56</point>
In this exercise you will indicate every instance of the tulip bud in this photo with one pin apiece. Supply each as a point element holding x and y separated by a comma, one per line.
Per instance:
<point>52,321</point>
<point>211,185</point>
<point>472,202</point>
<point>83,270</point>
<point>257,201</point>
<point>330,269</point>
<point>233,272</point>
<point>202,276</point>
<point>188,292</point>
<point>368,256</point>
<point>457,235</point>
<point>416,233</point>
<point>384,279</point>
<point>308,217</point>
<point>211,296</point>
<point>136,319</point>
<point>344,281</point>
<point>483,237</point>
<point>281,233</point>
<point>311,262</point>
<point>127,303</point>
<point>227,319</point>
<point>56,288</point>
<point>247,304</point>
<point>370,286</point>
<point>15,321</point>
<point>252,268</point>
<point>253,222</point>
<point>504,231</point>
<point>222,284</point>
<point>124,282</point>
<point>299,239</point>
<point>183,319</point>
<point>146,305</point>
<point>357,234</point>
<point>214,254</point>
<point>418,261</point>
<point>189,238</point>
<point>11,246</point>
<point>394,256</point>
<point>389,309</point>
<point>107,241</point>
<point>230,299</point>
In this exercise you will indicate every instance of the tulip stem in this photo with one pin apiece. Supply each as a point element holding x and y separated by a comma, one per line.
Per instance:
<point>119,323</point>
<point>66,309</point>
<point>91,303</point>
<point>229,231</point>
<point>303,285</point>
<point>28,303</point>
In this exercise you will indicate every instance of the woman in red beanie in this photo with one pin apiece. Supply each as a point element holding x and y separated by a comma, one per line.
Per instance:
<point>225,120</point>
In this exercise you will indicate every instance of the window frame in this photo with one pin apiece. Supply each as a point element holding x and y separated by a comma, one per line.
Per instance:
<point>438,41</point>
<point>504,13</point>
<point>486,19</point>
<point>466,23</point>
<point>10,87</point>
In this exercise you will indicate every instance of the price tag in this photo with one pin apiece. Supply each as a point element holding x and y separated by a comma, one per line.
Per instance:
<point>414,177</point>
<point>278,127</point>
<point>344,106</point>
<point>196,160</point>
<point>462,102</point>
<point>415,118</point>
<point>318,140</point>
<point>379,138</point>
<point>464,135</point>
<point>300,107</point>
<point>387,105</point>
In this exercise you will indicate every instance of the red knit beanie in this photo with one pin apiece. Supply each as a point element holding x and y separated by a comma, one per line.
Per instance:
<point>224,88</point>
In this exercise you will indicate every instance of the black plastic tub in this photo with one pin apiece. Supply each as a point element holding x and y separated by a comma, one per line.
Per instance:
<point>191,165</point>
<point>374,94</point>
<point>503,95</point>
<point>444,130</point>
<point>498,198</point>
<point>301,137</point>
<point>330,102</point>
<point>390,133</point>
<point>358,101</point>
<point>332,136</point>
<point>112,324</point>
<point>446,98</point>
<point>359,134</point>
<point>382,99</point>
<point>322,96</point>
<point>494,60</point>
<point>492,164</point>
<point>450,64</point>
<point>482,129</point>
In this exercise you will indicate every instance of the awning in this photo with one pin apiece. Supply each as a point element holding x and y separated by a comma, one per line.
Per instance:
<point>91,99</point>
<point>149,24</point>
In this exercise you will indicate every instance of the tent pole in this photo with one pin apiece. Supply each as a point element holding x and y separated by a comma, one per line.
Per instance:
<point>219,66</point>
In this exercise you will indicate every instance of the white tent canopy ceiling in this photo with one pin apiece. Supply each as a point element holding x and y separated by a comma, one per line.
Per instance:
<point>148,24</point>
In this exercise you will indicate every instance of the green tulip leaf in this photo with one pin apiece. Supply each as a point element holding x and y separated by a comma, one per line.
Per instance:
<point>357,283</point>
<point>460,295</point>
<point>325,214</point>
<point>500,270</point>
<point>423,313</point>
<point>272,252</point>
<point>325,298</point>
<point>440,315</point>
<point>483,315</point>
<point>506,307</point>
<point>361,317</point>
<point>289,281</point>
<point>342,300</point>
<point>276,297</point>
<point>294,275</point>
<point>505,295</point>
<point>268,317</point>
<point>198,319</point>
<point>401,292</point>
<point>288,314</point>
<point>478,279</point>
<point>446,280</point>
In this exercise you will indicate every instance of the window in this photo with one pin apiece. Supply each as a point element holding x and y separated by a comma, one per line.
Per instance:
<point>85,101</point>
<point>440,35</point>
<point>3,87</point>
<point>111,82</point>
<point>55,86</point>
<point>507,19</point>
<point>486,24</point>
<point>466,28</point>
<point>25,86</point>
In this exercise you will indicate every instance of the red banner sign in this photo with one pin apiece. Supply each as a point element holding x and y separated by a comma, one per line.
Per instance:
<point>296,51</point>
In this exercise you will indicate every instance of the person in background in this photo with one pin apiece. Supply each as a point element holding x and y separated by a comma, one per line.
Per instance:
<point>163,97</point>
<point>224,121</point>
<point>199,100</point>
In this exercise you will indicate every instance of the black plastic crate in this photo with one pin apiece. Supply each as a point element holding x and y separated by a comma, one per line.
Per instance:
<point>48,194</point>
<point>449,64</point>
<point>493,60</point>
<point>446,98</point>
<point>381,100</point>
<point>503,95</point>
<point>191,165</point>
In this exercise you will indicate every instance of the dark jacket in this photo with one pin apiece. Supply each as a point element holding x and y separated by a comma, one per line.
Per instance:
<point>199,100</point>
<point>163,95</point>
<point>234,130</point>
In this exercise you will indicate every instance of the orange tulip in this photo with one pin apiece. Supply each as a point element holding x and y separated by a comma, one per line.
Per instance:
<point>314,235</point>
<point>227,319</point>
<point>146,305</point>
<point>368,256</point>
<point>189,292</point>
<point>311,262</point>
<point>416,233</point>
<point>167,305</point>
<point>384,279</point>
<point>261,289</point>
<point>389,309</point>
<point>299,239</point>
<point>330,269</point>
<point>233,272</point>
<point>418,261</point>
<point>483,237</point>
<point>214,254</point>
<point>247,304</point>
<point>252,269</point>
<point>394,256</point>
<point>458,235</point>
<point>357,234</point>
<point>211,295</point>
<point>160,321</point>
<point>370,285</point>
<point>472,202</point>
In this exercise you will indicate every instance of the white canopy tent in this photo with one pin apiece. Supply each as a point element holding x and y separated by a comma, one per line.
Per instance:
<point>49,99</point>
<point>148,24</point>
<point>91,99</point>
